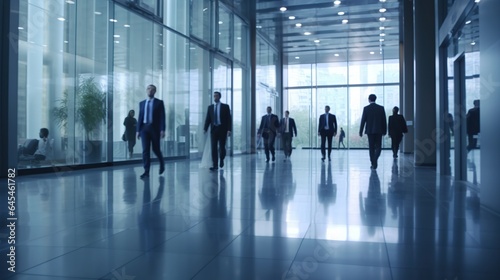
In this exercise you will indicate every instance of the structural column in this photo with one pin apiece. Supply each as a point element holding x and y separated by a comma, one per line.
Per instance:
<point>406,77</point>
<point>425,83</point>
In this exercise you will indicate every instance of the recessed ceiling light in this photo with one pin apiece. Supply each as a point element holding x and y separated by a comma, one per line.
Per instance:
<point>340,13</point>
<point>283,9</point>
<point>307,33</point>
<point>381,39</point>
<point>61,19</point>
<point>336,2</point>
<point>126,25</point>
<point>70,2</point>
<point>336,54</point>
<point>258,26</point>
<point>238,38</point>
<point>468,22</point>
<point>117,42</point>
<point>473,43</point>
<point>382,19</point>
<point>298,24</point>
<point>372,52</point>
<point>113,20</point>
<point>316,41</point>
<point>97,13</point>
<point>344,21</point>
<point>20,28</point>
<point>382,10</point>
<point>220,22</point>
<point>381,28</point>
<point>382,34</point>
<point>66,42</point>
<point>383,1</point>
<point>291,17</point>
<point>297,57</point>
<point>116,36</point>
<point>477,1</point>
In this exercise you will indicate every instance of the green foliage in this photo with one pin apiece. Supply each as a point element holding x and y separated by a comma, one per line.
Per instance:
<point>90,110</point>
<point>91,106</point>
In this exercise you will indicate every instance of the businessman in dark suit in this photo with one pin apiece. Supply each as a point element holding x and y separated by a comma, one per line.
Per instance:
<point>397,126</point>
<point>327,129</point>
<point>268,129</point>
<point>287,130</point>
<point>150,128</point>
<point>219,120</point>
<point>376,126</point>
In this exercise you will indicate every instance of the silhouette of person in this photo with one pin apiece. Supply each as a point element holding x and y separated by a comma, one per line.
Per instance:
<point>327,191</point>
<point>376,126</point>
<point>397,126</point>
<point>372,207</point>
<point>341,138</point>
<point>473,125</point>
<point>130,124</point>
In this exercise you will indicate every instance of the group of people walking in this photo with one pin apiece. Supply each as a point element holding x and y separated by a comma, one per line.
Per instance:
<point>150,128</point>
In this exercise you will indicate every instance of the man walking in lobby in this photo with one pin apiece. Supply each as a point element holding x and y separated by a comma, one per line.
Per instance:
<point>287,128</point>
<point>150,128</point>
<point>327,129</point>
<point>219,120</point>
<point>269,125</point>
<point>376,126</point>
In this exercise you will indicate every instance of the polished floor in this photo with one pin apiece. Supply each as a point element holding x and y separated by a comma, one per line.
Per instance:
<point>298,219</point>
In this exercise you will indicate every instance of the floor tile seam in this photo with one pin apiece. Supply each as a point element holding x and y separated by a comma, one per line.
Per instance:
<point>387,252</point>
<point>45,275</point>
<point>216,255</point>
<point>51,259</point>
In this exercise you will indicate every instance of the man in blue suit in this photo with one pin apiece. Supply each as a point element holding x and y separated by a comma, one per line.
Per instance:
<point>376,126</point>
<point>150,128</point>
<point>220,122</point>
<point>287,129</point>
<point>327,129</point>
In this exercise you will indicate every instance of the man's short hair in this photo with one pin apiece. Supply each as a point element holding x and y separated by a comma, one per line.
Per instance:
<point>44,131</point>
<point>153,86</point>
<point>286,112</point>
<point>327,107</point>
<point>372,97</point>
<point>396,109</point>
<point>218,92</point>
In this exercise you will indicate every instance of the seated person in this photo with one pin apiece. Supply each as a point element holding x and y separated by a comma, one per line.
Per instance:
<point>43,145</point>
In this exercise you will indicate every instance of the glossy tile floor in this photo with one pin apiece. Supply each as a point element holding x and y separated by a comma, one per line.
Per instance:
<point>299,219</point>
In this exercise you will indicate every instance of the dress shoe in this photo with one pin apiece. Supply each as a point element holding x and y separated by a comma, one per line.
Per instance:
<point>329,159</point>
<point>274,158</point>
<point>221,164</point>
<point>162,169</point>
<point>145,175</point>
<point>214,168</point>
<point>267,159</point>
<point>323,159</point>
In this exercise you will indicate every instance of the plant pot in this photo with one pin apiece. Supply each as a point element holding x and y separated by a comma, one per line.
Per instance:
<point>91,151</point>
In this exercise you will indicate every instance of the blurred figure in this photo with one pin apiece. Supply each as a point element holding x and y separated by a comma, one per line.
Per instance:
<point>372,207</point>
<point>397,126</point>
<point>268,130</point>
<point>473,127</point>
<point>327,191</point>
<point>341,138</point>
<point>130,124</point>
<point>287,129</point>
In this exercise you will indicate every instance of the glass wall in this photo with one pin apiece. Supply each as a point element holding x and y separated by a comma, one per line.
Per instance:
<point>266,92</point>
<point>344,86</point>
<point>84,67</point>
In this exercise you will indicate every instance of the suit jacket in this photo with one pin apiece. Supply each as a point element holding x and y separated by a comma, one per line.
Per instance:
<point>291,126</point>
<point>158,115</point>
<point>332,124</point>
<point>473,126</point>
<point>397,125</point>
<point>374,119</point>
<point>224,115</point>
<point>273,124</point>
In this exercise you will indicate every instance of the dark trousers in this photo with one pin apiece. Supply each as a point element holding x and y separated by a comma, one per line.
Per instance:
<point>131,144</point>
<point>472,142</point>
<point>218,138</point>
<point>395,141</point>
<point>150,137</point>
<point>287,143</point>
<point>324,137</point>
<point>375,147</point>
<point>269,144</point>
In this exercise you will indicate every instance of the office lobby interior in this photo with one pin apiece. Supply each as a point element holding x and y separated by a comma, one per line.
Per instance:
<point>78,68</point>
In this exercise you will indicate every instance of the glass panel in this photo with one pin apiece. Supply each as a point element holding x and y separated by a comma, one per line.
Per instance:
<point>200,19</point>
<point>334,73</point>
<point>200,96</point>
<point>240,40</point>
<point>133,60</point>
<point>366,72</point>
<point>176,15</point>
<point>451,116</point>
<point>237,109</point>
<point>151,6</point>
<point>266,93</point>
<point>299,105</point>
<point>175,80</point>
<point>299,75</point>
<point>62,82</point>
<point>224,35</point>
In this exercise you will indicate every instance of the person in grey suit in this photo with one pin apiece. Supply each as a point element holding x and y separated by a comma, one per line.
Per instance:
<point>376,126</point>
<point>268,129</point>
<point>287,129</point>
<point>327,129</point>
<point>150,127</point>
<point>219,118</point>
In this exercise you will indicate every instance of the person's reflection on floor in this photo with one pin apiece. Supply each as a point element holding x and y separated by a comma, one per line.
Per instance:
<point>218,207</point>
<point>220,224</point>
<point>152,222</point>
<point>129,187</point>
<point>372,207</point>
<point>395,194</point>
<point>268,194</point>
<point>286,182</point>
<point>472,167</point>
<point>327,191</point>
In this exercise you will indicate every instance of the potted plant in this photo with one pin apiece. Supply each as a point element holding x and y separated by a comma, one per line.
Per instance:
<point>90,112</point>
